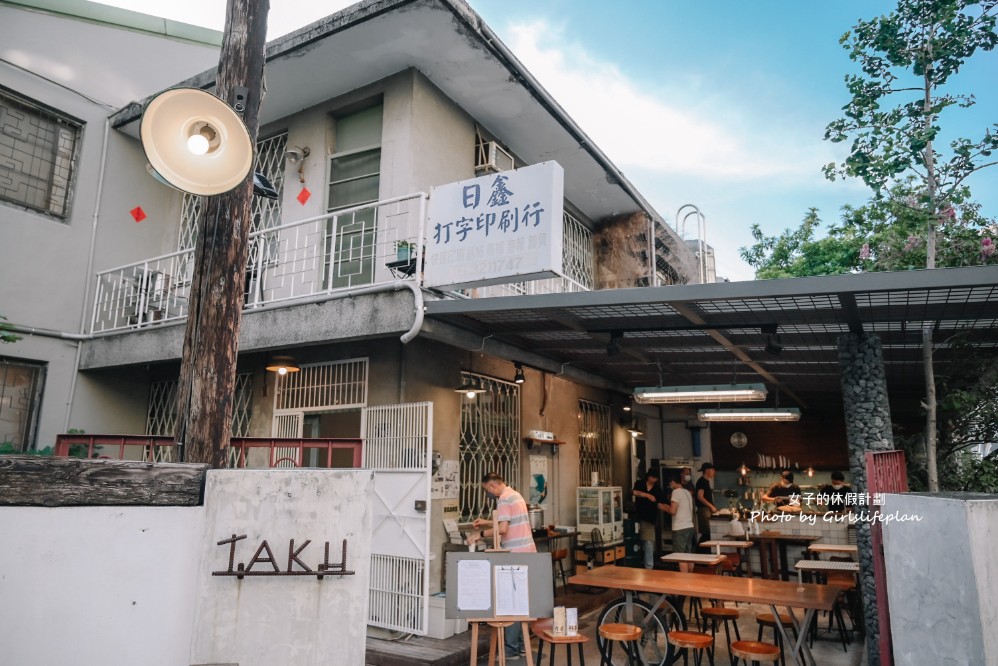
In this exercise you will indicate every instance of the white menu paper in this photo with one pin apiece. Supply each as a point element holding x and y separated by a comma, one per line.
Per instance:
<point>474,585</point>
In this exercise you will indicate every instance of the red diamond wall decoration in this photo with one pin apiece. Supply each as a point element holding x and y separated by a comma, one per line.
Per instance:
<point>304,196</point>
<point>138,214</point>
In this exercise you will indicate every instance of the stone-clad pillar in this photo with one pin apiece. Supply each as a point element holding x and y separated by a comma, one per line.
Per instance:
<point>868,428</point>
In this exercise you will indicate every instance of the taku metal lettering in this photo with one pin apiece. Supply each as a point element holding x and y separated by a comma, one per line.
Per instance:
<point>295,565</point>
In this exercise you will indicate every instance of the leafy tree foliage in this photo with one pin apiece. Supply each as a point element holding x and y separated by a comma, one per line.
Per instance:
<point>894,116</point>
<point>5,334</point>
<point>886,234</point>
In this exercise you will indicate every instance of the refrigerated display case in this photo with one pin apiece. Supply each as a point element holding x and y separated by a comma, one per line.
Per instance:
<point>600,507</point>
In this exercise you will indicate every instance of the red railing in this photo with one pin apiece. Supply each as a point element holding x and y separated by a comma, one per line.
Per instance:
<point>886,472</point>
<point>255,452</point>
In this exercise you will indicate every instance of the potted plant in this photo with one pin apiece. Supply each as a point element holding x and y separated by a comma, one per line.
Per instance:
<point>403,250</point>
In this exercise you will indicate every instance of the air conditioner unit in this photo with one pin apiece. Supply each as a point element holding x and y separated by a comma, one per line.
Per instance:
<point>491,158</point>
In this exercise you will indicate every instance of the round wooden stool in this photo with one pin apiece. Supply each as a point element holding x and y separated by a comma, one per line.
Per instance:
<point>627,634</point>
<point>755,651</point>
<point>696,641</point>
<point>768,620</point>
<point>715,614</point>
<point>542,629</point>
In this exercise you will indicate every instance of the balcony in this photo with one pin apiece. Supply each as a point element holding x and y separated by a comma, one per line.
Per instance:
<point>306,260</point>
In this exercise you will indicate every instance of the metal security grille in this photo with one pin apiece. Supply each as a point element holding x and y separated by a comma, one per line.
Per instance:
<point>577,252</point>
<point>266,212</point>
<point>161,415</point>
<point>335,385</point>
<point>577,267</point>
<point>397,441</point>
<point>396,596</point>
<point>38,151</point>
<point>490,440</point>
<point>595,442</point>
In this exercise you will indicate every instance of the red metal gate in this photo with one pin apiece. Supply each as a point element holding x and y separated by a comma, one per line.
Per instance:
<point>886,472</point>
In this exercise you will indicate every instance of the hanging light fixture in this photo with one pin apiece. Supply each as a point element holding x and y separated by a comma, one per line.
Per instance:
<point>634,429</point>
<point>518,377</point>
<point>744,470</point>
<point>751,414</point>
<point>469,389</point>
<point>282,365</point>
<point>654,395</point>
<point>809,471</point>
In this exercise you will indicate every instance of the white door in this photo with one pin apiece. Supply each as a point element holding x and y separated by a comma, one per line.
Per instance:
<point>397,441</point>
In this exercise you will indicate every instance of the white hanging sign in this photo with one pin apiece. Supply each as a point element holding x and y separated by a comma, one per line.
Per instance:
<point>499,228</point>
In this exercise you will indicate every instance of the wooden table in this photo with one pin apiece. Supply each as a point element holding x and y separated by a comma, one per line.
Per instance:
<point>740,545</point>
<point>769,542</point>
<point>773,593</point>
<point>817,549</point>
<point>824,565</point>
<point>695,558</point>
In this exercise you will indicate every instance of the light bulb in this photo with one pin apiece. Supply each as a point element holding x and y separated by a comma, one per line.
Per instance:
<point>197,144</point>
<point>470,395</point>
<point>282,371</point>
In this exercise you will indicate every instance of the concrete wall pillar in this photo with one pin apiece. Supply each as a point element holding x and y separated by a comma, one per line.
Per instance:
<point>868,428</point>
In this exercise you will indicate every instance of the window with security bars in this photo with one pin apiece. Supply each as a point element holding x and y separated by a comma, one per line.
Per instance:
<point>21,387</point>
<point>595,442</point>
<point>161,417</point>
<point>334,385</point>
<point>266,212</point>
<point>38,153</point>
<point>490,440</point>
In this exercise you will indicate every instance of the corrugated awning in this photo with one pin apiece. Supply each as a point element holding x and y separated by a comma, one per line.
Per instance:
<point>719,333</point>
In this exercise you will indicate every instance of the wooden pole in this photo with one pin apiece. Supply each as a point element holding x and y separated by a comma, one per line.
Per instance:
<point>211,341</point>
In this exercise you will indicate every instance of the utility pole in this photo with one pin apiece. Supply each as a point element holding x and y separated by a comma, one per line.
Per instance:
<point>211,341</point>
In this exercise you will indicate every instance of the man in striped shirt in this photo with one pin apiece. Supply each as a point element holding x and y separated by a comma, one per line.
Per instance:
<point>517,536</point>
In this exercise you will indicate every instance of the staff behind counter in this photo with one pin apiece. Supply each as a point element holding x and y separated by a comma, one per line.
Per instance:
<point>785,493</point>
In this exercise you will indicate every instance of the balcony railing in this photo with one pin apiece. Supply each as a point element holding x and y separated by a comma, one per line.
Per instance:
<point>243,452</point>
<point>321,255</point>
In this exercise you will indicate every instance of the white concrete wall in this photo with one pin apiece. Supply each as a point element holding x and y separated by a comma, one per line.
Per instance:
<point>284,619</point>
<point>133,585</point>
<point>941,578</point>
<point>85,69</point>
<point>98,585</point>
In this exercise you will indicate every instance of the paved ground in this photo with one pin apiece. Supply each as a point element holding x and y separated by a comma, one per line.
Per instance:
<point>827,649</point>
<point>455,651</point>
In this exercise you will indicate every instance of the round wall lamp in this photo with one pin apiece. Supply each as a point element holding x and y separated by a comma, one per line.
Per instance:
<point>196,142</point>
<point>739,440</point>
<point>282,365</point>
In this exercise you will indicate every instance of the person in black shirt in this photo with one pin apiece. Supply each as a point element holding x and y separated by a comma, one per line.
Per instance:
<point>705,501</point>
<point>833,497</point>
<point>648,501</point>
<point>784,492</point>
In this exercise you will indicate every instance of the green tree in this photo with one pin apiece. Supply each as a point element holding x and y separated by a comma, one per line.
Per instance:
<point>886,234</point>
<point>894,118</point>
<point>5,334</point>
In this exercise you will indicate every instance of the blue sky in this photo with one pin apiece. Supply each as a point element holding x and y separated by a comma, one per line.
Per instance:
<point>719,104</point>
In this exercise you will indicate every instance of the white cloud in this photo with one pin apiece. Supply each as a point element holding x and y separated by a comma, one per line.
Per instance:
<point>667,131</point>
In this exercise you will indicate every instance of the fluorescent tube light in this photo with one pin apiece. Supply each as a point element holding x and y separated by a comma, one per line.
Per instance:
<point>653,395</point>
<point>750,414</point>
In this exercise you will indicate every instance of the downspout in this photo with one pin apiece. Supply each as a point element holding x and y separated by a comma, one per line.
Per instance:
<point>90,265</point>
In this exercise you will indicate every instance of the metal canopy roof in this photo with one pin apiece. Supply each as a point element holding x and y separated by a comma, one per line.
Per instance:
<point>713,333</point>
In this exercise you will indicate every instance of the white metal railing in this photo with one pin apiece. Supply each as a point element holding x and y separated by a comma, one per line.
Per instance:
<point>339,250</point>
<point>577,267</point>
